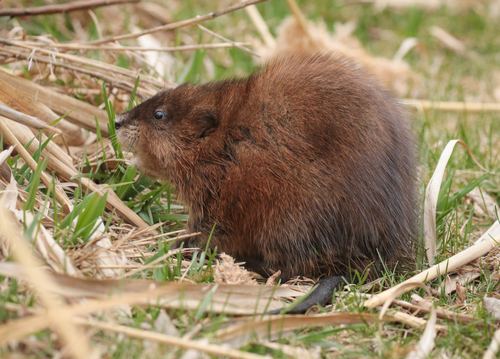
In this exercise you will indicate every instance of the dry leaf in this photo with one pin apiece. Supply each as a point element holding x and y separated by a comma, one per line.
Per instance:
<point>492,306</point>
<point>484,204</point>
<point>452,280</point>
<point>461,293</point>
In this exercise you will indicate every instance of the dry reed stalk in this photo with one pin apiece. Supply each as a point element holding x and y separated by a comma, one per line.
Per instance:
<point>82,61</point>
<point>251,328</point>
<point>488,241</point>
<point>219,351</point>
<point>426,307</point>
<point>412,321</point>
<point>150,240</point>
<point>24,135</point>
<point>66,172</point>
<point>27,120</point>
<point>120,48</point>
<point>451,105</point>
<point>115,80</point>
<point>139,292</point>
<point>178,24</point>
<point>261,26</point>
<point>301,19</point>
<point>113,202</point>
<point>72,337</point>
<point>78,112</point>
<point>16,99</point>
<point>157,260</point>
<point>9,137</point>
<point>62,8</point>
<point>242,48</point>
<point>22,50</point>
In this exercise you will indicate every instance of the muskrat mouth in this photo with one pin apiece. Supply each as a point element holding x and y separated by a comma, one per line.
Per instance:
<point>129,143</point>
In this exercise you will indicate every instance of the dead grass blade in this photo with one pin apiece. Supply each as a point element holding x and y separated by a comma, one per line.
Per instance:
<point>484,204</point>
<point>432,194</point>
<point>488,241</point>
<point>178,24</point>
<point>14,329</point>
<point>48,248</point>
<point>295,352</point>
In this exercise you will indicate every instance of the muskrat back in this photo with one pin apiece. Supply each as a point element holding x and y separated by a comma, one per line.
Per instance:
<point>307,166</point>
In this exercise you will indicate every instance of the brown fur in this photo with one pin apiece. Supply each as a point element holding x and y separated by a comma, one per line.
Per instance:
<point>307,166</point>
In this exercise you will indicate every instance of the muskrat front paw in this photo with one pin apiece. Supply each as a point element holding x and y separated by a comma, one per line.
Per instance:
<point>189,241</point>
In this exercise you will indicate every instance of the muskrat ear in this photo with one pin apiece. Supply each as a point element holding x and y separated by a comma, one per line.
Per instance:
<point>211,123</point>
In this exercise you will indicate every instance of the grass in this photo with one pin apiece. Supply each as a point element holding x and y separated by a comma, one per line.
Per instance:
<point>469,76</point>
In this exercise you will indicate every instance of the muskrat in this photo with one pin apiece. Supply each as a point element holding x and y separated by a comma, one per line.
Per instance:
<point>307,167</point>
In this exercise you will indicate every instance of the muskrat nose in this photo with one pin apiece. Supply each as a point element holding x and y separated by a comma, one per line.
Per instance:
<point>118,122</point>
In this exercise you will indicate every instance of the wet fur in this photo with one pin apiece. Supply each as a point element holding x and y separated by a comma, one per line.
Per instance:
<point>307,166</point>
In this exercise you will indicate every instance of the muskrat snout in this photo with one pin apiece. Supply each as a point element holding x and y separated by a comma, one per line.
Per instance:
<point>118,122</point>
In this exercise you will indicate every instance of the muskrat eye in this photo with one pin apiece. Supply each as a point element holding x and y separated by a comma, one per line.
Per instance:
<point>159,115</point>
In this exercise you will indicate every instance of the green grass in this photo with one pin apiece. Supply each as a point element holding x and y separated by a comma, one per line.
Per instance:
<point>460,77</point>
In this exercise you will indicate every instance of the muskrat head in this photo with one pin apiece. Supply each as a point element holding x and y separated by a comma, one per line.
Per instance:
<point>166,132</point>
